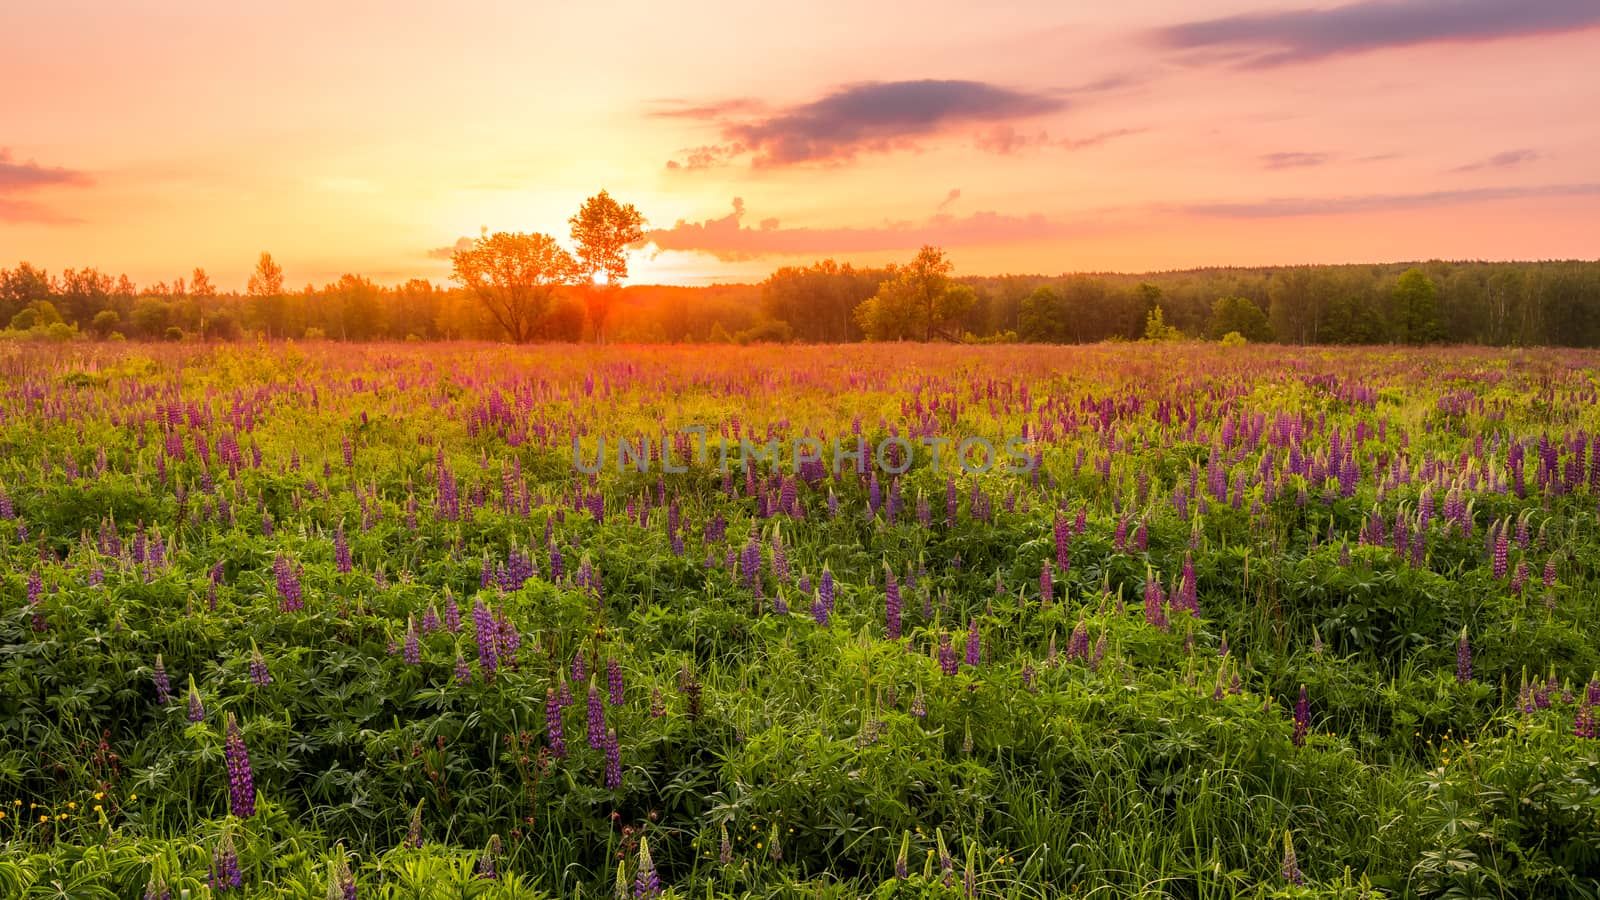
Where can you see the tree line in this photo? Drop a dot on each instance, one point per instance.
(528, 287)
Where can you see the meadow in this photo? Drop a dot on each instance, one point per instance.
(346, 620)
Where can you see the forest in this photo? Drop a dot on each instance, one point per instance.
(1489, 303)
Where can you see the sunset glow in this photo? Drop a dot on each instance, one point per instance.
(149, 139)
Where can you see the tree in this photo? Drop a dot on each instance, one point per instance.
(1237, 314)
(267, 279)
(105, 321)
(1041, 316)
(266, 288)
(1413, 298)
(602, 230)
(1157, 329)
(919, 301)
(515, 276)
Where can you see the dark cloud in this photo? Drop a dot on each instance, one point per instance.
(1294, 160)
(727, 238)
(1336, 206)
(22, 177)
(679, 109)
(869, 117)
(445, 253)
(1290, 36)
(1006, 140)
(1501, 161)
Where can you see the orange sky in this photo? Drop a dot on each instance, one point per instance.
(149, 138)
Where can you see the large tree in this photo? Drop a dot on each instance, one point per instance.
(602, 230)
(1414, 296)
(920, 301)
(515, 276)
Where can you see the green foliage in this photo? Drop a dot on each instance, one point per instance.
(394, 481)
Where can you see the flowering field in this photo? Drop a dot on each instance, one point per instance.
(294, 621)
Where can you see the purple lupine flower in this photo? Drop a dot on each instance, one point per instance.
(259, 676)
(288, 577)
(1502, 550)
(341, 551)
(658, 703)
(163, 684)
(414, 829)
(486, 861)
(1078, 644)
(463, 670)
(949, 663)
(430, 619)
(580, 669)
(825, 591)
(1291, 866)
(597, 718)
(552, 723)
(484, 628)
(413, 647)
(614, 681)
(1302, 718)
(224, 874)
(1154, 603)
(974, 644)
(197, 710)
(646, 883)
(902, 860)
(241, 783)
(1585, 725)
(1463, 658)
(452, 614)
(891, 604)
(613, 760)
(919, 703)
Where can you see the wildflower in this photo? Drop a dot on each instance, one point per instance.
(919, 704)
(974, 644)
(463, 670)
(452, 614)
(259, 676)
(597, 717)
(891, 604)
(414, 830)
(485, 631)
(1291, 866)
(613, 760)
(774, 849)
(486, 861)
(646, 883)
(413, 648)
(658, 703)
(241, 783)
(1078, 644)
(725, 849)
(1046, 584)
(430, 619)
(948, 662)
(163, 684)
(1463, 658)
(552, 723)
(197, 710)
(225, 874)
(614, 681)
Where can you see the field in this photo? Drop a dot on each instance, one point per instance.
(294, 621)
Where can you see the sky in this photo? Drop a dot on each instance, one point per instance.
(149, 138)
